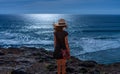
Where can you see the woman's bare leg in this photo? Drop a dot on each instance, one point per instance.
(63, 66)
(59, 62)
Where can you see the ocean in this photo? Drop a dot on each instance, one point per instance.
(91, 37)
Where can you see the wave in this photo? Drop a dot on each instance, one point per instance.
(45, 42)
(100, 30)
(104, 38)
(92, 45)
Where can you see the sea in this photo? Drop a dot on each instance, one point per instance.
(91, 36)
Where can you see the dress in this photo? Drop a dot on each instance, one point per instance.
(60, 44)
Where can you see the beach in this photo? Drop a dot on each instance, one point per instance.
(31, 60)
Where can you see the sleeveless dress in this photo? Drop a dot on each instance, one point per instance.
(60, 44)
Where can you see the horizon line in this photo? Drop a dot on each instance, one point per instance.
(57, 13)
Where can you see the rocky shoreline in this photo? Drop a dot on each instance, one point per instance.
(30, 60)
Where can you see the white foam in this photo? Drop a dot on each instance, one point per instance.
(14, 42)
(92, 45)
(43, 32)
(6, 35)
(39, 26)
(3, 41)
(45, 42)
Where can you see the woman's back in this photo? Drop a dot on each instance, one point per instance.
(60, 39)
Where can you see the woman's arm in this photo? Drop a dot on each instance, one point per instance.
(66, 43)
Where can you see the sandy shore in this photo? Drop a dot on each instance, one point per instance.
(26, 60)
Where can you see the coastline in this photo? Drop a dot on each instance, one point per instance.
(30, 60)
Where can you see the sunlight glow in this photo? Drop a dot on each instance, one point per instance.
(41, 20)
(44, 16)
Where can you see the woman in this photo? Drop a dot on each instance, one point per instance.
(61, 44)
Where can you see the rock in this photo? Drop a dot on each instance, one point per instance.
(2, 62)
(42, 50)
(40, 61)
(37, 54)
(26, 48)
(2, 53)
(116, 64)
(70, 70)
(18, 72)
(51, 67)
(45, 58)
(12, 50)
(88, 64)
(83, 70)
(95, 72)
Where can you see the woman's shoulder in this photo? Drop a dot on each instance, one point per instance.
(66, 33)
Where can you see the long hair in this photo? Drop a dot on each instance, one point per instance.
(59, 28)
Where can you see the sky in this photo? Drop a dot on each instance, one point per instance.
(59, 6)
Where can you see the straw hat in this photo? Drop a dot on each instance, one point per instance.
(61, 22)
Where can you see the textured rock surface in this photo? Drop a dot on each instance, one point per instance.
(26, 60)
